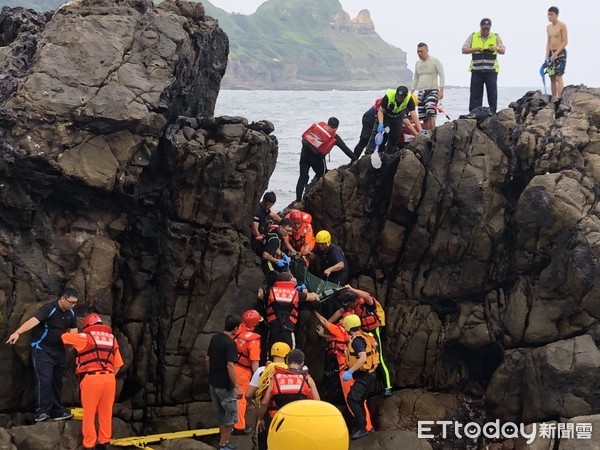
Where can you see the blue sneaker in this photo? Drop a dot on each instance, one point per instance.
(227, 446)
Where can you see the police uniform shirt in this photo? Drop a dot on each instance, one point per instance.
(262, 218)
(53, 323)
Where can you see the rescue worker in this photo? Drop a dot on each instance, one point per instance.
(248, 348)
(337, 341)
(274, 260)
(393, 108)
(317, 142)
(287, 385)
(330, 265)
(362, 359)
(308, 424)
(260, 382)
(367, 131)
(263, 218)
(97, 363)
(48, 357)
(302, 240)
(283, 300)
(364, 305)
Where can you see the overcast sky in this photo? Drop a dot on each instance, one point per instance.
(445, 25)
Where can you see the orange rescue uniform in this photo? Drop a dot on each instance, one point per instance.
(248, 346)
(338, 342)
(302, 238)
(98, 358)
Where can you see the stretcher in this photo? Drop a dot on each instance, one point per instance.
(143, 441)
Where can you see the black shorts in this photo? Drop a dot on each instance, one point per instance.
(559, 65)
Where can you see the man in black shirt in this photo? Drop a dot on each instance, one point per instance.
(273, 259)
(263, 217)
(392, 110)
(222, 378)
(48, 353)
(311, 156)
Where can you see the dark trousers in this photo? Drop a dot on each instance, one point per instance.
(395, 124)
(49, 373)
(368, 123)
(309, 158)
(364, 383)
(279, 334)
(488, 79)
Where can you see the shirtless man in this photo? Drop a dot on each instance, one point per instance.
(556, 52)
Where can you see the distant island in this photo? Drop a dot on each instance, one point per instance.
(298, 44)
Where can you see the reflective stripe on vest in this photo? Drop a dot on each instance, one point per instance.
(481, 61)
(321, 136)
(282, 304)
(394, 109)
(371, 349)
(99, 353)
(288, 385)
(368, 319)
(242, 339)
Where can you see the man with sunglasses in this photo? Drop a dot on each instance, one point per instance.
(48, 353)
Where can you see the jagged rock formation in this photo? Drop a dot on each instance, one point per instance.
(481, 240)
(116, 180)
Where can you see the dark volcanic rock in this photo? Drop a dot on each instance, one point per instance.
(116, 180)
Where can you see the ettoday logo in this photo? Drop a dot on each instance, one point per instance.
(507, 430)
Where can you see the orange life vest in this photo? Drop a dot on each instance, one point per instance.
(303, 235)
(368, 319)
(321, 136)
(371, 350)
(288, 385)
(99, 353)
(337, 343)
(282, 305)
(242, 341)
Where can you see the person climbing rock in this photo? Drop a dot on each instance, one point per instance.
(317, 142)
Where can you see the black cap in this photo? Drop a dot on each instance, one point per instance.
(485, 23)
(348, 298)
(402, 91)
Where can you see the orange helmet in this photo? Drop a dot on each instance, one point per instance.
(91, 319)
(251, 318)
(296, 216)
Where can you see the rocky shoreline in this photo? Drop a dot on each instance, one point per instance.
(480, 239)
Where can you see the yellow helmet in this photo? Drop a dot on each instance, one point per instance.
(351, 321)
(308, 425)
(323, 237)
(280, 349)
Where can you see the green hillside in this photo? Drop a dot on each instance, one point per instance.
(307, 44)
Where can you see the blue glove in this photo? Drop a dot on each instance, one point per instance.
(347, 375)
(287, 259)
(380, 128)
(281, 263)
(300, 287)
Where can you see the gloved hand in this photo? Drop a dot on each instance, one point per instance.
(380, 128)
(286, 259)
(300, 287)
(347, 375)
(281, 263)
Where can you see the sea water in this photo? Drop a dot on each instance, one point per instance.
(292, 112)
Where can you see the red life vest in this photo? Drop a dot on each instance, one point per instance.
(368, 319)
(282, 305)
(242, 341)
(99, 353)
(321, 136)
(288, 385)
